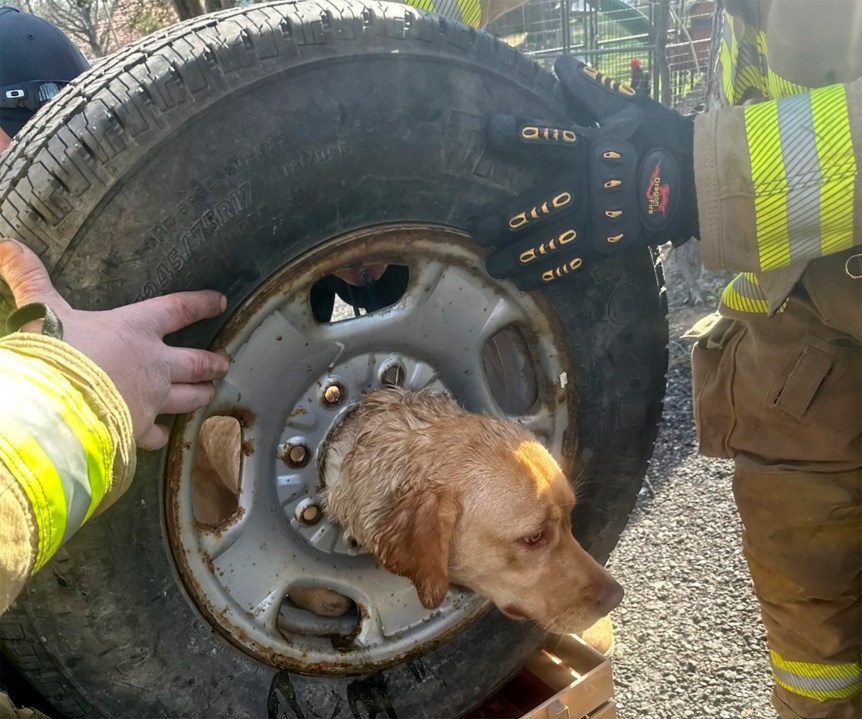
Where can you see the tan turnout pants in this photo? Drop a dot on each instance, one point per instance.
(9, 711)
(782, 396)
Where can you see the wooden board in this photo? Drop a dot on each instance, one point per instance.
(566, 680)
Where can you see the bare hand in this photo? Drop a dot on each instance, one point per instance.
(128, 343)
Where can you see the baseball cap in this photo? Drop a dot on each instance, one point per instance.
(36, 61)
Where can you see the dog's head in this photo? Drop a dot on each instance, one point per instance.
(494, 516)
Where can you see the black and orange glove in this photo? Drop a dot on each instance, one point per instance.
(626, 180)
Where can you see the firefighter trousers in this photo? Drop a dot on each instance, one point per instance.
(802, 539)
(782, 396)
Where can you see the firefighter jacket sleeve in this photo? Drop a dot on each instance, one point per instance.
(66, 451)
(777, 181)
(476, 13)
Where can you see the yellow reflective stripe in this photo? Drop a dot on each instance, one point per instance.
(471, 12)
(836, 214)
(747, 77)
(760, 43)
(750, 72)
(744, 294)
(421, 4)
(837, 167)
(99, 451)
(803, 173)
(770, 184)
(812, 669)
(747, 68)
(779, 87)
(727, 56)
(55, 445)
(24, 458)
(90, 433)
(466, 11)
(817, 680)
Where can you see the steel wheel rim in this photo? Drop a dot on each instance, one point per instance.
(440, 333)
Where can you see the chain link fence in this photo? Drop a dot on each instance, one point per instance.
(657, 46)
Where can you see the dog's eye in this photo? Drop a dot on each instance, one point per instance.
(534, 538)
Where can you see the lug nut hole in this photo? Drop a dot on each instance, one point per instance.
(334, 394)
(308, 512)
(393, 375)
(294, 454)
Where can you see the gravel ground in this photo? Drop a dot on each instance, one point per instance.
(689, 641)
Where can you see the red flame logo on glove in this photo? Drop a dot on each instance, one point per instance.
(657, 194)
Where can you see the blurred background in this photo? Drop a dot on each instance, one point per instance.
(661, 46)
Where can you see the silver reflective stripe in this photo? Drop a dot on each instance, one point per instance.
(747, 285)
(747, 55)
(837, 686)
(37, 414)
(448, 8)
(74, 476)
(799, 151)
(48, 90)
(744, 294)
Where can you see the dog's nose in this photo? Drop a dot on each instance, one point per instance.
(608, 595)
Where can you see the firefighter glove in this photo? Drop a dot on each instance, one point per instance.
(624, 177)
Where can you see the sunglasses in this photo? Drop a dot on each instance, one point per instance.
(30, 95)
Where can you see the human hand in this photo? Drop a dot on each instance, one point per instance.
(627, 180)
(128, 343)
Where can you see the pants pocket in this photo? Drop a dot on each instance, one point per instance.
(712, 364)
(794, 394)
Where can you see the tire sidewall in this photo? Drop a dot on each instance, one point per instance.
(384, 139)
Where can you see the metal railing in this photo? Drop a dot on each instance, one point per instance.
(622, 38)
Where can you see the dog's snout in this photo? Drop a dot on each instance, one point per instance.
(608, 595)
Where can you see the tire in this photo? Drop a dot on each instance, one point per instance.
(212, 154)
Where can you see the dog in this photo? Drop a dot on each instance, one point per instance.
(442, 496)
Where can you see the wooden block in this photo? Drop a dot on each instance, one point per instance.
(566, 680)
(608, 711)
(558, 710)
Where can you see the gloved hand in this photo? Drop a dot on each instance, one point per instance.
(627, 180)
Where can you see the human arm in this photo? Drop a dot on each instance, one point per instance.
(777, 181)
(72, 410)
(66, 450)
(477, 13)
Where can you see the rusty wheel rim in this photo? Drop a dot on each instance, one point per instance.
(453, 329)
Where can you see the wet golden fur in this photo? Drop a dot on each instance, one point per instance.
(442, 496)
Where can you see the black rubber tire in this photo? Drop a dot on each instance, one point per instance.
(209, 156)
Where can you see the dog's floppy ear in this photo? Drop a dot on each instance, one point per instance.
(415, 541)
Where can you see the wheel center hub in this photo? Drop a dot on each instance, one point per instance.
(299, 476)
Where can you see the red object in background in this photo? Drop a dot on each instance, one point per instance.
(639, 79)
